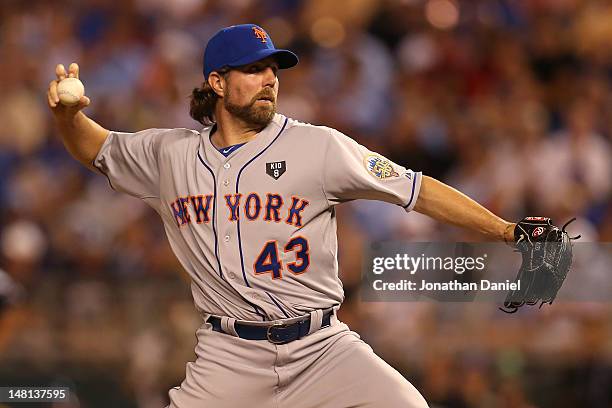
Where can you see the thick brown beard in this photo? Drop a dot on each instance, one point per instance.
(249, 113)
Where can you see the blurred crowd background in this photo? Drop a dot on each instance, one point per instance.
(508, 101)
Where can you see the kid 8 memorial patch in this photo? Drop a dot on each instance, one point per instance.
(380, 167)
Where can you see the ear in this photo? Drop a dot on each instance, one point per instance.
(217, 83)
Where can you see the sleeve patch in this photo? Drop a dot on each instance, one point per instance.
(380, 167)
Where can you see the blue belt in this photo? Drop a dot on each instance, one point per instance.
(278, 333)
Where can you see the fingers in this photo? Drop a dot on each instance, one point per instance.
(73, 70)
(84, 102)
(50, 100)
(60, 72)
(52, 94)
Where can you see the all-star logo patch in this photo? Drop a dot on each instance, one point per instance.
(380, 167)
(276, 169)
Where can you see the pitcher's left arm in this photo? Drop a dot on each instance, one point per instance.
(448, 205)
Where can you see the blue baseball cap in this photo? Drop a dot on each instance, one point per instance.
(240, 45)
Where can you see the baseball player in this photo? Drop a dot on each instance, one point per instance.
(248, 206)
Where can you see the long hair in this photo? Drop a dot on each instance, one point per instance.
(203, 101)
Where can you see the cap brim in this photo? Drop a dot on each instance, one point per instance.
(285, 58)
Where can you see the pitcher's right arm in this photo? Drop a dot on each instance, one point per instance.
(82, 136)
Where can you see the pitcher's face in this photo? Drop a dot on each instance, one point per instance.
(251, 91)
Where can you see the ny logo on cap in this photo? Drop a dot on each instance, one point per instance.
(261, 34)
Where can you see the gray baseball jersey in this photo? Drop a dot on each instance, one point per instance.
(256, 230)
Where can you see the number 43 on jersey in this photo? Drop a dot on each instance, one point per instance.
(268, 260)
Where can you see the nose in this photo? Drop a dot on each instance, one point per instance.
(269, 77)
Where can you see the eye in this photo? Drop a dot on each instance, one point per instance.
(254, 69)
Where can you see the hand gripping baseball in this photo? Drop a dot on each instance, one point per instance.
(53, 96)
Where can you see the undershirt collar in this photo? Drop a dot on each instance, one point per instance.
(226, 151)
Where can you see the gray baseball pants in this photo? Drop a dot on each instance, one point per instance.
(330, 368)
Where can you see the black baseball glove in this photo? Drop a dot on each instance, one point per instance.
(547, 257)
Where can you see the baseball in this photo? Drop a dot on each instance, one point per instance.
(70, 91)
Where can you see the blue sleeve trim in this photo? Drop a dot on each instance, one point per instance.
(417, 179)
(93, 162)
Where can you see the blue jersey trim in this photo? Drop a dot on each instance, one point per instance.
(279, 306)
(214, 213)
(226, 151)
(246, 281)
(255, 307)
(412, 194)
(93, 163)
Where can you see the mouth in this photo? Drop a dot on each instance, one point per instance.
(265, 96)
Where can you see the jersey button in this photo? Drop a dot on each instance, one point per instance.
(226, 166)
(226, 238)
(232, 275)
(226, 183)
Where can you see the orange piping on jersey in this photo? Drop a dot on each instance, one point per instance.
(305, 250)
(276, 207)
(233, 205)
(200, 209)
(294, 211)
(247, 206)
(280, 270)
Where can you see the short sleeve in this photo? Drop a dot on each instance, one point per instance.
(351, 172)
(130, 161)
